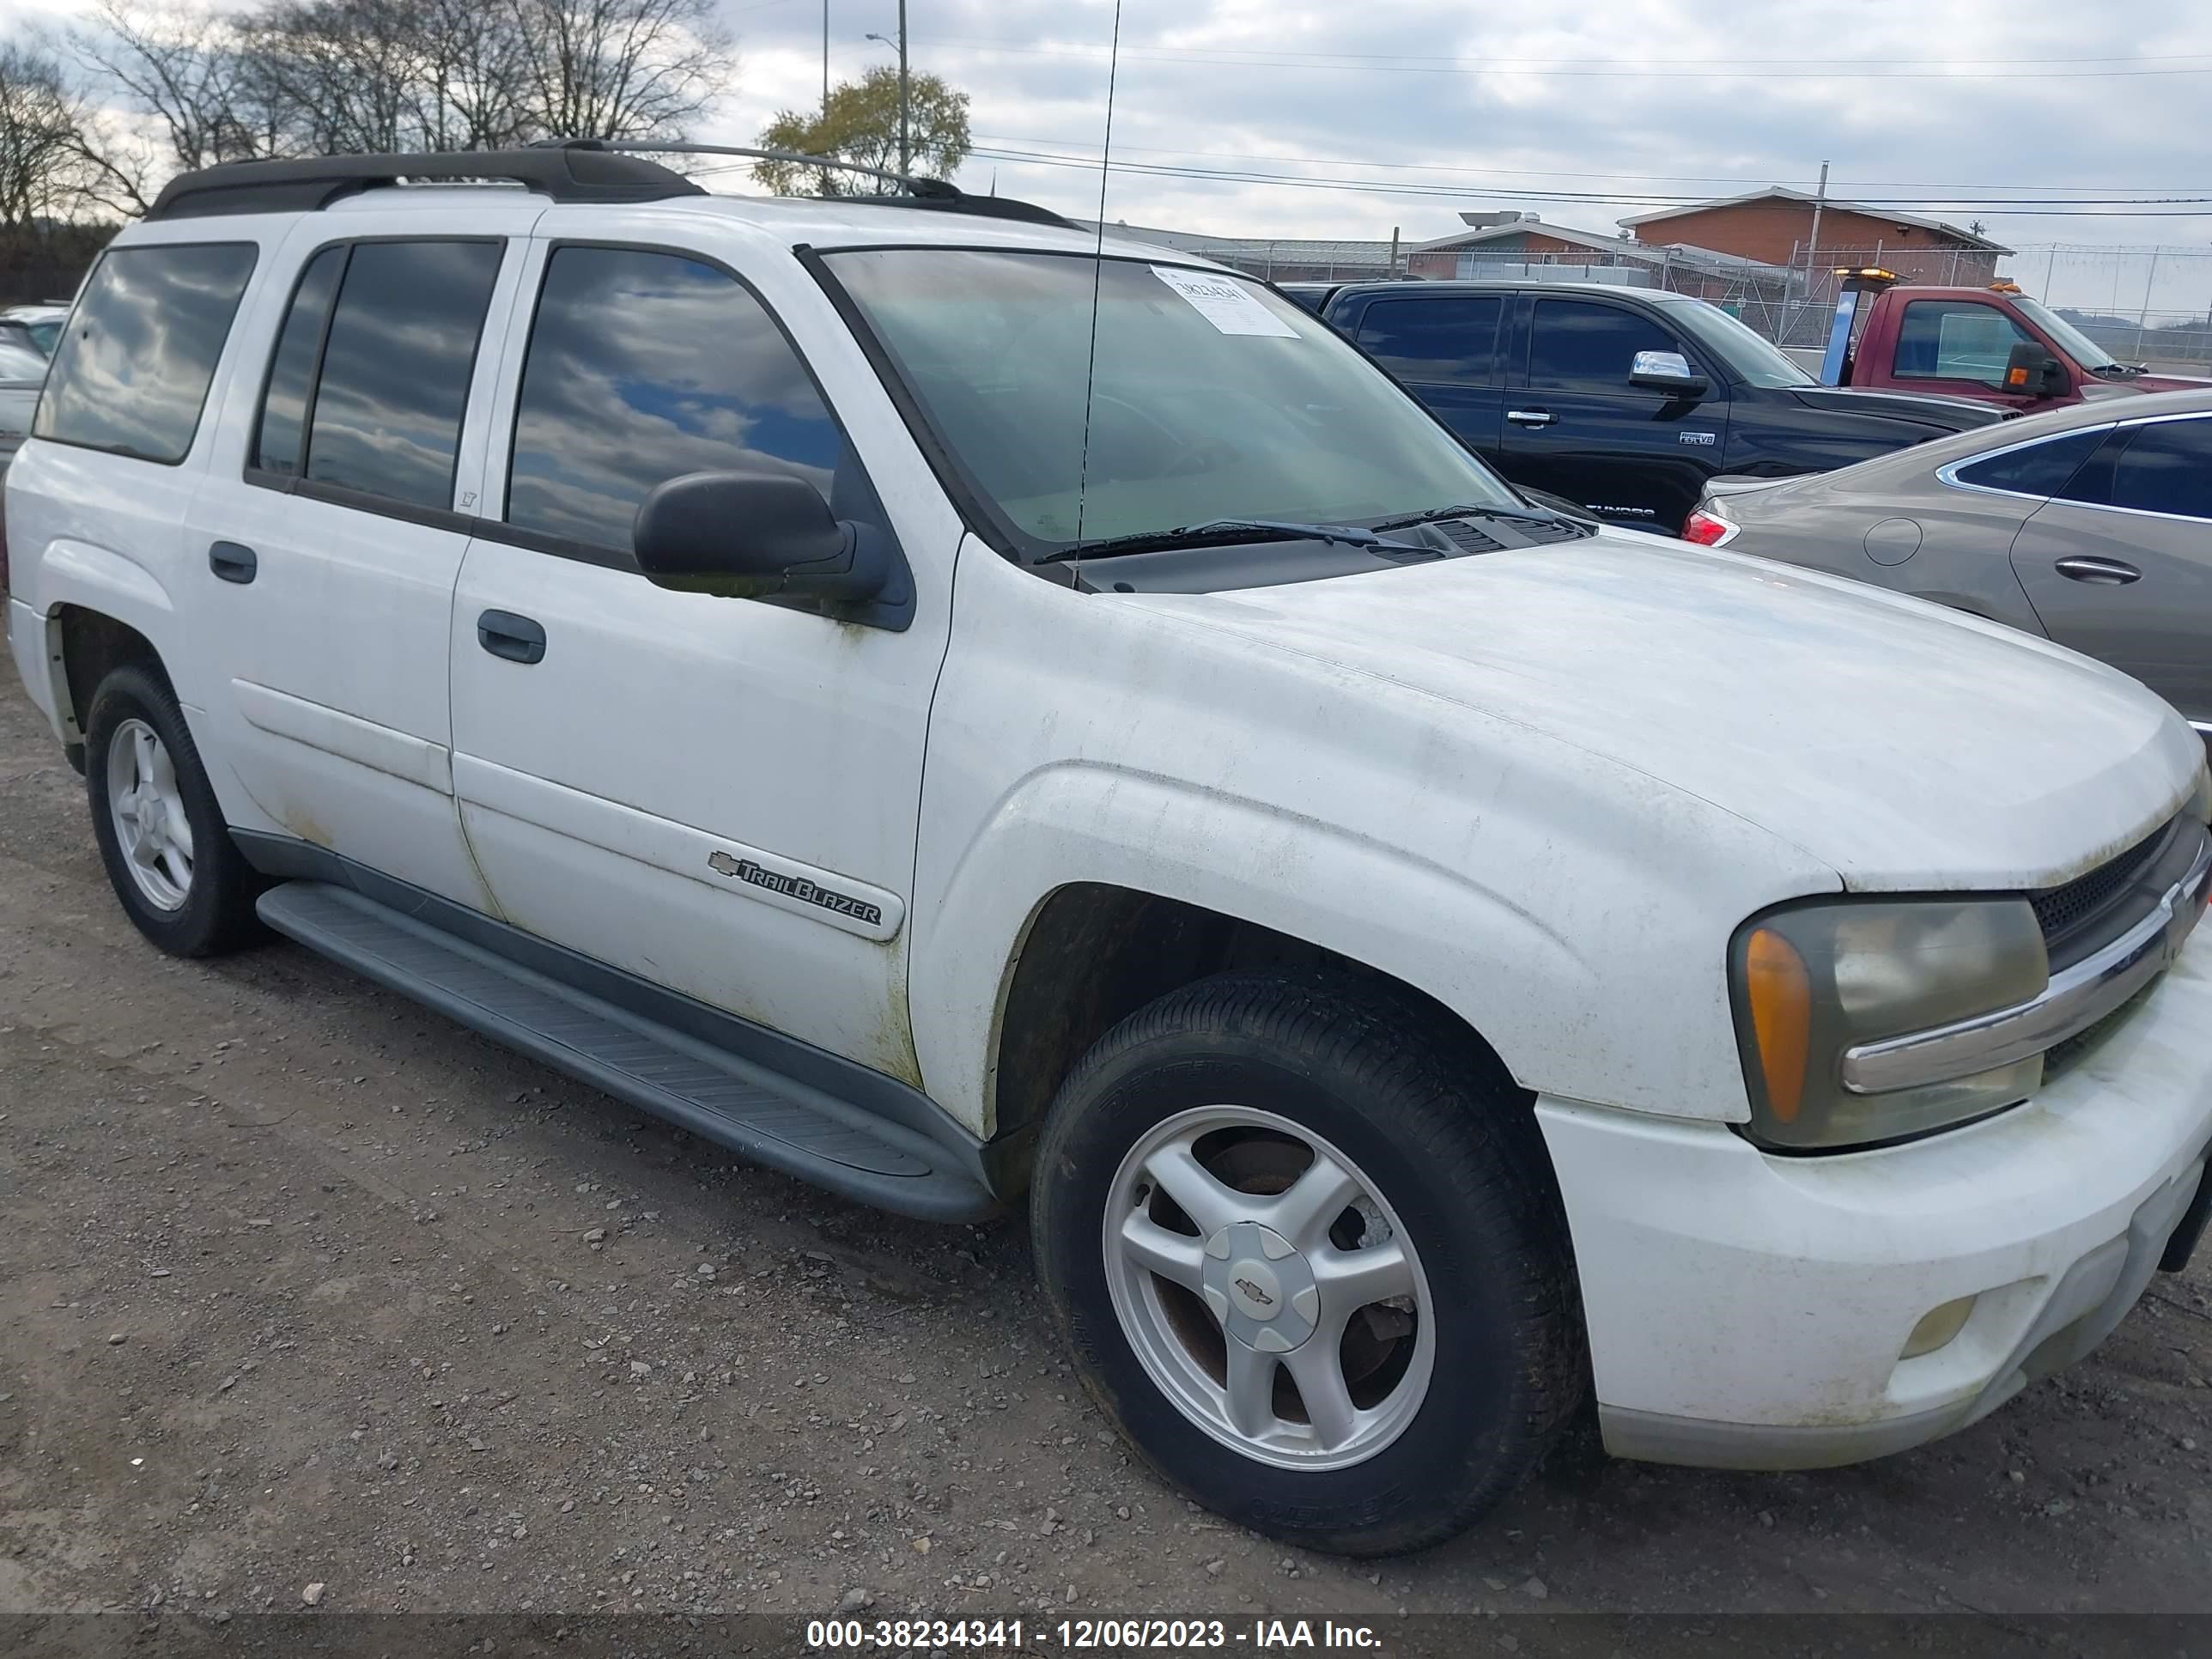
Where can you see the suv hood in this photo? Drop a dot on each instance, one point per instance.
(1936, 413)
(1901, 745)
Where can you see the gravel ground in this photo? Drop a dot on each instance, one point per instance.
(311, 1296)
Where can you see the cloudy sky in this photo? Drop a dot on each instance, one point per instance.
(1582, 112)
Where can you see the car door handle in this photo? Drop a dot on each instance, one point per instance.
(518, 639)
(233, 562)
(2102, 573)
(1530, 417)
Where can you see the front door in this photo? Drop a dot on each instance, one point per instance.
(1444, 347)
(328, 535)
(1959, 348)
(717, 795)
(1575, 426)
(2119, 565)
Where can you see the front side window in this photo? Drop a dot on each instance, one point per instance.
(1448, 342)
(1578, 346)
(2036, 469)
(1956, 340)
(643, 367)
(1209, 397)
(1752, 358)
(401, 343)
(132, 373)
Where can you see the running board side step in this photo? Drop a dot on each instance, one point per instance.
(788, 1126)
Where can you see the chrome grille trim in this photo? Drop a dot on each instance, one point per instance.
(2077, 996)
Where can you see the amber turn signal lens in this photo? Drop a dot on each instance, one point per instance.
(1780, 993)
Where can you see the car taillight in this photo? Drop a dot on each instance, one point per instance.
(1708, 529)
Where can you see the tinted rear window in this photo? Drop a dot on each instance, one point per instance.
(2165, 466)
(2038, 470)
(1452, 341)
(132, 373)
(396, 367)
(280, 442)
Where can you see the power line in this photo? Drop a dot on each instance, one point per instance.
(1638, 63)
(1643, 200)
(2059, 208)
(1228, 58)
(1085, 150)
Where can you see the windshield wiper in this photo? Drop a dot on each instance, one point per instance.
(1214, 531)
(1512, 514)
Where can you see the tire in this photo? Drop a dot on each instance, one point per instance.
(192, 892)
(1449, 1166)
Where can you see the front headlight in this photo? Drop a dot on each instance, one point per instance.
(1811, 981)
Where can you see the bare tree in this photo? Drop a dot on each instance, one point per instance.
(622, 69)
(338, 68)
(40, 128)
(470, 76)
(179, 65)
(173, 85)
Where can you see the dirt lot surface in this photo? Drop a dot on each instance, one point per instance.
(303, 1287)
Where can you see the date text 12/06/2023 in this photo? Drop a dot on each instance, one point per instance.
(1084, 1635)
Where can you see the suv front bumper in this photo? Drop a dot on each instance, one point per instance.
(1749, 1311)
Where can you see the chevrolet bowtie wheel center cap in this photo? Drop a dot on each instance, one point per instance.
(1260, 1288)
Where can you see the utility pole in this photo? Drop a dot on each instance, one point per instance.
(906, 143)
(825, 60)
(1813, 252)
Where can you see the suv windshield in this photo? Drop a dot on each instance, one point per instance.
(1752, 358)
(1213, 398)
(2070, 340)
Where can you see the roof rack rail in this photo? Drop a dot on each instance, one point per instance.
(573, 172)
(921, 191)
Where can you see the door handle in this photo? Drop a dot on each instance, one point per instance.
(2100, 573)
(518, 639)
(233, 562)
(1530, 417)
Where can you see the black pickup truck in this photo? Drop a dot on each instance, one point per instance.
(1625, 400)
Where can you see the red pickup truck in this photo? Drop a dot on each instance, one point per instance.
(1995, 343)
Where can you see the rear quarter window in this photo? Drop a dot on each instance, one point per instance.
(132, 373)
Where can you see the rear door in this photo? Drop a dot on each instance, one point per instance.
(2119, 564)
(324, 546)
(1574, 425)
(1445, 348)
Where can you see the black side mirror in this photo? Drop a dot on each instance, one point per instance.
(756, 536)
(1669, 372)
(2032, 370)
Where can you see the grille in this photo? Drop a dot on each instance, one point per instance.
(2061, 1057)
(2069, 911)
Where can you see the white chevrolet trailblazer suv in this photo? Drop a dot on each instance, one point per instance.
(952, 708)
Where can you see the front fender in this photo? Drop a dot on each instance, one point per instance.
(1570, 999)
(1373, 903)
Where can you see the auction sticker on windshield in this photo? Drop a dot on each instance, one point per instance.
(1225, 302)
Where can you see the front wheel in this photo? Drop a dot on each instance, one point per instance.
(1307, 1251)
